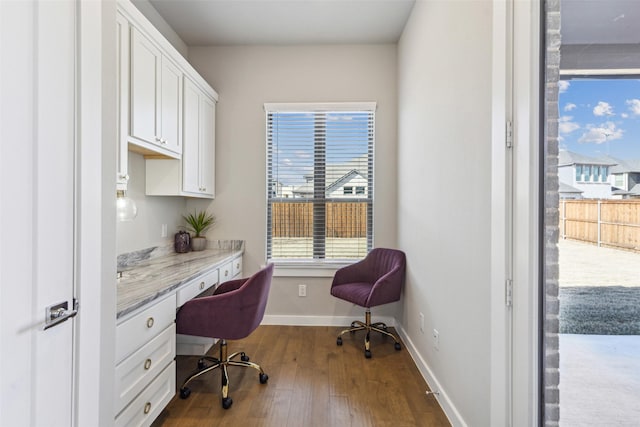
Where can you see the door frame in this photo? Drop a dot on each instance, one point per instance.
(526, 336)
(96, 191)
(515, 334)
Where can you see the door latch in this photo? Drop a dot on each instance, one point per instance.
(58, 313)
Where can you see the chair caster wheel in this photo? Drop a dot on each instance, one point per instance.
(339, 341)
(185, 392)
(244, 357)
(367, 354)
(397, 346)
(264, 378)
(226, 402)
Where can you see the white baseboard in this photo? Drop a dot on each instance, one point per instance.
(321, 320)
(442, 397)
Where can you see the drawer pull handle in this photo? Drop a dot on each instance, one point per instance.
(238, 265)
(201, 285)
(150, 322)
(226, 273)
(147, 364)
(147, 407)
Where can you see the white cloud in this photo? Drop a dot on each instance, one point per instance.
(600, 134)
(603, 109)
(624, 115)
(570, 106)
(563, 85)
(634, 106)
(565, 125)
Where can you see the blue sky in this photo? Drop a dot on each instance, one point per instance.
(599, 117)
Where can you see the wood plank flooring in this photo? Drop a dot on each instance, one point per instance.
(312, 382)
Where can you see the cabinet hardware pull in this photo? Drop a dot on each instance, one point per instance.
(226, 273)
(147, 364)
(201, 285)
(149, 322)
(147, 407)
(238, 265)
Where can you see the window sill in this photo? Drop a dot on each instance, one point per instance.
(307, 268)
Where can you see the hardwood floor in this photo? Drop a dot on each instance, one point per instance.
(312, 382)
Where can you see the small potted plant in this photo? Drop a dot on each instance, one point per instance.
(199, 223)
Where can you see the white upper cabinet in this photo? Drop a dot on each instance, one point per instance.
(171, 106)
(122, 83)
(155, 88)
(199, 141)
(166, 111)
(194, 175)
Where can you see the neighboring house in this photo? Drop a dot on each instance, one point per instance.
(344, 180)
(625, 178)
(587, 174)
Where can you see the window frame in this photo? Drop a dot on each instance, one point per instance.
(319, 266)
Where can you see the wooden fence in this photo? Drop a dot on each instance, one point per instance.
(614, 223)
(295, 219)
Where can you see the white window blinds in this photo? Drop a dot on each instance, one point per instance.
(319, 181)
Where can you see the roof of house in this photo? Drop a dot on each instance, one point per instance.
(566, 188)
(337, 174)
(624, 165)
(569, 158)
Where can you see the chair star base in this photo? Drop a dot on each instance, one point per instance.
(223, 362)
(368, 326)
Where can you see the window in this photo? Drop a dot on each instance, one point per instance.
(578, 172)
(315, 152)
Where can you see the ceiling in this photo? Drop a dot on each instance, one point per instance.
(286, 22)
(279, 22)
(600, 22)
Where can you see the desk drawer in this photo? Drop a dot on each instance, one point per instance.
(135, 372)
(237, 267)
(196, 287)
(136, 331)
(226, 272)
(148, 405)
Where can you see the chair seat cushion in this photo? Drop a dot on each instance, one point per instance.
(357, 293)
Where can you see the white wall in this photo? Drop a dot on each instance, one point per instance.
(444, 124)
(247, 77)
(153, 211)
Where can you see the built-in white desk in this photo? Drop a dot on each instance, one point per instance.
(152, 284)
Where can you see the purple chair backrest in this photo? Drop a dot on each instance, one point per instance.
(381, 261)
(233, 314)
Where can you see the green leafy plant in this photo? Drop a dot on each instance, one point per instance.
(199, 222)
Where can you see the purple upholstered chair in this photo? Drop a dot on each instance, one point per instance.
(374, 281)
(233, 311)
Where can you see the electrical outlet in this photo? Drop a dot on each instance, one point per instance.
(422, 323)
(436, 339)
(302, 290)
(163, 230)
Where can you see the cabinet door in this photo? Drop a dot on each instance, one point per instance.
(207, 144)
(191, 137)
(145, 90)
(171, 106)
(122, 82)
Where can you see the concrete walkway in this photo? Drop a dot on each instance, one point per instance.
(599, 374)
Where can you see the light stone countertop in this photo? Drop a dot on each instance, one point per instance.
(152, 273)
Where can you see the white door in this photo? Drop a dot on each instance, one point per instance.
(37, 220)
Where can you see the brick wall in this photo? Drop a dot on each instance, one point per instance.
(551, 358)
